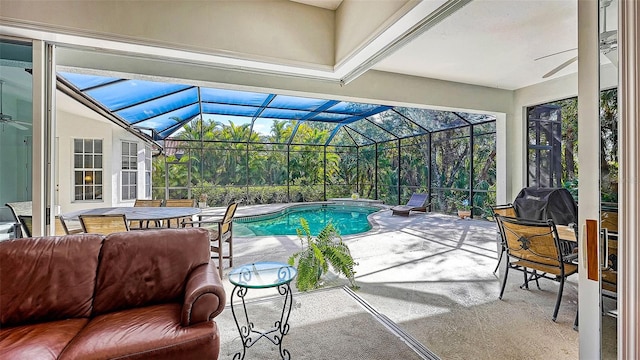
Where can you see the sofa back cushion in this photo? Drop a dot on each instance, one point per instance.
(144, 267)
(47, 278)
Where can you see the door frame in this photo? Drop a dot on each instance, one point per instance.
(629, 175)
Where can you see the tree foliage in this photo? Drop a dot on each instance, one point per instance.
(608, 144)
(232, 162)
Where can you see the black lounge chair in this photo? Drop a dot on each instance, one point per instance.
(418, 202)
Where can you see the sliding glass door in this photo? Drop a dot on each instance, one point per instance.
(16, 128)
(609, 160)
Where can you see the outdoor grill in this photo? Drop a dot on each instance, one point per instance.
(557, 204)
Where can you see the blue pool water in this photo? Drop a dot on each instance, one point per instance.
(347, 219)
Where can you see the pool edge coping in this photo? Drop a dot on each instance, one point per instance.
(286, 206)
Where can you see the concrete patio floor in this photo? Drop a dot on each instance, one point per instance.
(432, 275)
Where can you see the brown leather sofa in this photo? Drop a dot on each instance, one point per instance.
(149, 294)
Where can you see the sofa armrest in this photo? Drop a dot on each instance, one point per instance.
(204, 296)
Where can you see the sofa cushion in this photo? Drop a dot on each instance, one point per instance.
(38, 341)
(144, 267)
(48, 278)
(152, 332)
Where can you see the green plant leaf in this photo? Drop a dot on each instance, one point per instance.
(317, 254)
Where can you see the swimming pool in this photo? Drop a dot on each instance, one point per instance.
(347, 219)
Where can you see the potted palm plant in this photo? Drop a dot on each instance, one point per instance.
(201, 192)
(464, 209)
(318, 253)
(202, 200)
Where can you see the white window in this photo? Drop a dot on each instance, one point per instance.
(147, 172)
(129, 170)
(87, 169)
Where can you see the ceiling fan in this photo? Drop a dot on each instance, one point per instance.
(8, 119)
(608, 46)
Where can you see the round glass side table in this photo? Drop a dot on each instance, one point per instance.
(262, 275)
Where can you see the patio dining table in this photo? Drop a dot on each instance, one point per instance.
(566, 233)
(568, 242)
(137, 213)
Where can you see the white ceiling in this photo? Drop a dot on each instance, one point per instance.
(493, 43)
(326, 4)
(507, 44)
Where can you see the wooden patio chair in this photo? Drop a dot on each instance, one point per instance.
(609, 225)
(610, 273)
(417, 202)
(535, 245)
(26, 222)
(104, 224)
(136, 225)
(61, 227)
(503, 210)
(20, 208)
(179, 203)
(220, 232)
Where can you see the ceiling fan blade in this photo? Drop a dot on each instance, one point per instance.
(554, 54)
(609, 35)
(17, 126)
(22, 122)
(613, 57)
(560, 67)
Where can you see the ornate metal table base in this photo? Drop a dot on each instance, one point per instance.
(262, 275)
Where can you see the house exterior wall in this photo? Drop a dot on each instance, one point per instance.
(119, 136)
(85, 125)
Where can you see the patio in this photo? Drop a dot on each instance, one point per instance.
(428, 278)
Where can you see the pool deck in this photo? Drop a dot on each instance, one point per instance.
(432, 275)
